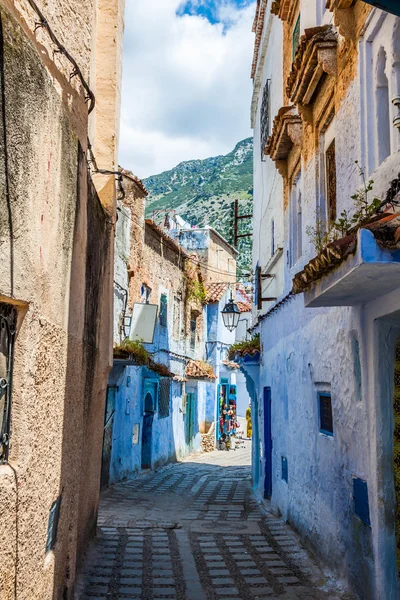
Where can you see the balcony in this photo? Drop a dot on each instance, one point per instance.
(356, 269)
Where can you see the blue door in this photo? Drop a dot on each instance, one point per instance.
(267, 443)
(147, 434)
(190, 414)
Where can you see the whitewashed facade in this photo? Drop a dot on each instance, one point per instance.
(332, 346)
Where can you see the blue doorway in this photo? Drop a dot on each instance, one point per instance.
(267, 443)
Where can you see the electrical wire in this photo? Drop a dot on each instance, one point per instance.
(6, 165)
(62, 50)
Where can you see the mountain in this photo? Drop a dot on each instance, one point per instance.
(202, 192)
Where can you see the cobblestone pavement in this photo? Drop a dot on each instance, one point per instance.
(193, 531)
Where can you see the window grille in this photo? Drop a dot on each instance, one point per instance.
(295, 37)
(264, 117)
(8, 320)
(164, 397)
(163, 310)
(325, 413)
(330, 175)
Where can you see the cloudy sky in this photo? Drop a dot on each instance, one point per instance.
(186, 81)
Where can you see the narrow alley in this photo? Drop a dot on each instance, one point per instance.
(193, 530)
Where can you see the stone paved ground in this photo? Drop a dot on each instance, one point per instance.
(193, 531)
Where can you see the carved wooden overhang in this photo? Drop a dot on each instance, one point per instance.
(315, 56)
(332, 4)
(287, 132)
(283, 9)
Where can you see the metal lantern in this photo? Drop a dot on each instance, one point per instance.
(231, 314)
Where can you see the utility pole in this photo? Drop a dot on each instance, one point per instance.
(236, 219)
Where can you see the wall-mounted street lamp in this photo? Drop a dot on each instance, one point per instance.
(231, 314)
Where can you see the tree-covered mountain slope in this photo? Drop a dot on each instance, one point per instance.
(202, 192)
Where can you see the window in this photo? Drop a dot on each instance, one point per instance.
(296, 221)
(163, 310)
(177, 318)
(295, 37)
(164, 397)
(193, 328)
(284, 469)
(8, 320)
(265, 118)
(382, 107)
(325, 413)
(145, 294)
(330, 179)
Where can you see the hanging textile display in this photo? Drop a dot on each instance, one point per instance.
(227, 418)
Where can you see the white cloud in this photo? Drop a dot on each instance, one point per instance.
(186, 84)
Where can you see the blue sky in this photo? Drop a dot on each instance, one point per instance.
(208, 9)
(186, 87)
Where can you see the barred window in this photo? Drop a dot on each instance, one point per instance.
(164, 397)
(264, 117)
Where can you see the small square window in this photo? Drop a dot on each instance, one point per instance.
(284, 469)
(325, 413)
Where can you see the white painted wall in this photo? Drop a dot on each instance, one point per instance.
(311, 350)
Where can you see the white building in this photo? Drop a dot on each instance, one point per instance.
(327, 438)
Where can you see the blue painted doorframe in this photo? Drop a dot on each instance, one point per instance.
(267, 443)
